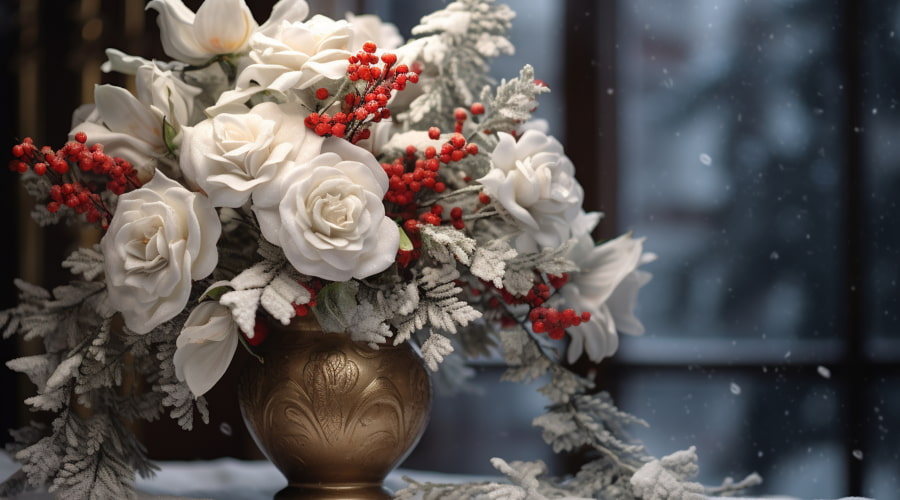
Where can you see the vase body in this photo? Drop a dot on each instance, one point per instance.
(335, 416)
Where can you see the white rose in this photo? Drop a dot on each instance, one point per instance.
(298, 54)
(234, 156)
(205, 346)
(605, 286)
(331, 222)
(535, 182)
(161, 237)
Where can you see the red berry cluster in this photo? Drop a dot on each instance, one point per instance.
(538, 294)
(68, 171)
(553, 322)
(403, 185)
(368, 106)
(313, 289)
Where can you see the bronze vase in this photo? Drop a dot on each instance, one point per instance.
(335, 416)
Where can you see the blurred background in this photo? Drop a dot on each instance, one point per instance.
(755, 144)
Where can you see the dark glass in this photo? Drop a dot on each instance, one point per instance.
(730, 123)
(883, 444)
(881, 139)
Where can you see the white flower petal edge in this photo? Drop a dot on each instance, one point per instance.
(534, 181)
(330, 222)
(161, 237)
(205, 346)
(604, 268)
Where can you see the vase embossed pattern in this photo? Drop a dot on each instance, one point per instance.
(335, 416)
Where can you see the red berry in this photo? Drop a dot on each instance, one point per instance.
(260, 332)
(40, 168)
(434, 133)
(484, 198)
(18, 151)
(458, 141)
(460, 114)
(81, 137)
(477, 108)
(370, 47)
(389, 58)
(402, 69)
(323, 129)
(322, 93)
(472, 149)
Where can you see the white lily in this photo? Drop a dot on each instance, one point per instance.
(127, 128)
(606, 286)
(205, 346)
(167, 93)
(219, 27)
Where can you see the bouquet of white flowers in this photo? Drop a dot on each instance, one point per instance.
(317, 166)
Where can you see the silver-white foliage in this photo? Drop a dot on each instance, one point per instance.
(512, 102)
(489, 261)
(272, 284)
(519, 277)
(87, 262)
(455, 44)
(434, 349)
(444, 244)
(84, 361)
(591, 420)
(522, 355)
(668, 478)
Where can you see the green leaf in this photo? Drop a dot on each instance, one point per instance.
(405, 243)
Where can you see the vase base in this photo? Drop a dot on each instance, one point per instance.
(334, 492)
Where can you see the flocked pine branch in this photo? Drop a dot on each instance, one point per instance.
(512, 103)
(455, 45)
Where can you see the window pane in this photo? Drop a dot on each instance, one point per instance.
(781, 425)
(467, 430)
(883, 424)
(730, 151)
(882, 176)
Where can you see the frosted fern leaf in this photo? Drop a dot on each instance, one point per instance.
(273, 285)
(445, 242)
(434, 349)
(87, 262)
(489, 262)
(668, 478)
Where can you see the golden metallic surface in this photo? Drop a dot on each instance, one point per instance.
(335, 416)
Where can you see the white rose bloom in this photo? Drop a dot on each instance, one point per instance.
(331, 222)
(205, 346)
(534, 181)
(293, 55)
(219, 27)
(128, 128)
(606, 286)
(234, 156)
(161, 237)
